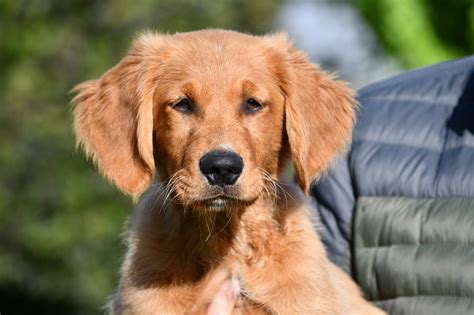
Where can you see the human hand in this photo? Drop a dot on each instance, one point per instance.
(224, 302)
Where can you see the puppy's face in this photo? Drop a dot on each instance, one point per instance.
(215, 113)
(218, 120)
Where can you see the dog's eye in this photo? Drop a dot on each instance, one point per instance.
(184, 105)
(252, 105)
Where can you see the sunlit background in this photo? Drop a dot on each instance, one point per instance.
(60, 223)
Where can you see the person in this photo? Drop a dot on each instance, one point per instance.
(397, 211)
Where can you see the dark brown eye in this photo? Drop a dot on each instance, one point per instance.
(252, 105)
(184, 105)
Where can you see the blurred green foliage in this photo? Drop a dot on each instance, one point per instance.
(60, 222)
(422, 32)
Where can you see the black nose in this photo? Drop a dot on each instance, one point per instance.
(221, 167)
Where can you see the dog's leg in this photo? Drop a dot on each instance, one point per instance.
(151, 301)
(190, 299)
(292, 284)
(290, 274)
(349, 294)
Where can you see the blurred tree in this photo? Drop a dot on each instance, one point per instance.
(59, 221)
(421, 32)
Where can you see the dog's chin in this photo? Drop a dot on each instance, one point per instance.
(217, 199)
(220, 203)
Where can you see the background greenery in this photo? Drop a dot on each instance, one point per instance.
(60, 223)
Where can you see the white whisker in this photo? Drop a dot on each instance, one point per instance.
(277, 189)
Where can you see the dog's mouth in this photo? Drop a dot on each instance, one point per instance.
(215, 198)
(218, 203)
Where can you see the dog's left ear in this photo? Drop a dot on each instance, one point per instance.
(319, 115)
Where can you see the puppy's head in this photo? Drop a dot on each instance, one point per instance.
(215, 113)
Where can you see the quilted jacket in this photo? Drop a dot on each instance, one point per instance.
(397, 212)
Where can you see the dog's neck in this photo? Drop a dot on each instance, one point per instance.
(200, 240)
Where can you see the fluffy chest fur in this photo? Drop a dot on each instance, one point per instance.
(254, 245)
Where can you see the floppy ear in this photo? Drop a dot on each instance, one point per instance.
(113, 121)
(319, 114)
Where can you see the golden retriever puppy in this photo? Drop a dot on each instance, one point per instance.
(216, 115)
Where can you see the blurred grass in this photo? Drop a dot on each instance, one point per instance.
(60, 222)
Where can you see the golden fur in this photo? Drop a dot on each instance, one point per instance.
(181, 249)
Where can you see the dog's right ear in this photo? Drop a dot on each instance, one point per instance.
(113, 121)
